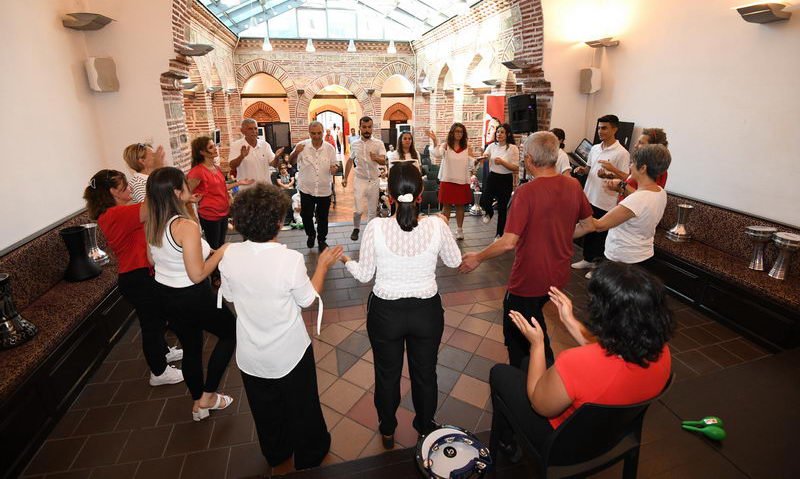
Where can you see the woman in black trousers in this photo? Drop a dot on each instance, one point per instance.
(404, 310)
(503, 158)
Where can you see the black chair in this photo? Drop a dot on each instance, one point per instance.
(431, 172)
(431, 184)
(592, 439)
(430, 202)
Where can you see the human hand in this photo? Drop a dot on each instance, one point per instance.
(159, 155)
(498, 161)
(580, 170)
(245, 182)
(532, 331)
(344, 183)
(195, 198)
(469, 261)
(299, 148)
(344, 259)
(604, 173)
(432, 135)
(279, 151)
(329, 256)
(612, 186)
(563, 305)
(244, 151)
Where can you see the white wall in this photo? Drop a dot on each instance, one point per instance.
(726, 91)
(56, 132)
(49, 129)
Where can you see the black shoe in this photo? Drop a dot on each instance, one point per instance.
(310, 240)
(354, 236)
(388, 441)
(322, 245)
(512, 451)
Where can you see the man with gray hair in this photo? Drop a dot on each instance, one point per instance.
(252, 156)
(316, 162)
(539, 228)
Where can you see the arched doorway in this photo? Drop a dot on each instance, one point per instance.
(336, 105)
(397, 101)
(265, 100)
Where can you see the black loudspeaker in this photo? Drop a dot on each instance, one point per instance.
(624, 134)
(522, 112)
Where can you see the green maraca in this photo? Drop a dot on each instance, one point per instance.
(712, 432)
(706, 421)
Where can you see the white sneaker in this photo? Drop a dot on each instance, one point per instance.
(486, 219)
(582, 264)
(588, 275)
(285, 228)
(171, 375)
(459, 234)
(174, 354)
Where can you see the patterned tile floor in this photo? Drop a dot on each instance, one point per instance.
(121, 427)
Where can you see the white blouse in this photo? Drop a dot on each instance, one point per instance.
(269, 286)
(404, 262)
(509, 153)
(455, 167)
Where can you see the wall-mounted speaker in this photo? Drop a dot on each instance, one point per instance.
(522, 112)
(590, 80)
(102, 74)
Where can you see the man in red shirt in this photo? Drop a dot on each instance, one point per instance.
(539, 228)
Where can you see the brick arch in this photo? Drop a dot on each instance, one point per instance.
(397, 109)
(314, 86)
(394, 68)
(441, 76)
(260, 65)
(332, 108)
(261, 112)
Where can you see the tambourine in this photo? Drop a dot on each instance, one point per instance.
(450, 452)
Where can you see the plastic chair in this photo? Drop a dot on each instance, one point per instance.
(592, 439)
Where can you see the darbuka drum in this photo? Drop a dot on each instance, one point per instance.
(452, 452)
(787, 243)
(760, 236)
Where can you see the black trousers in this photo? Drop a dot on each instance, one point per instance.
(215, 231)
(288, 415)
(415, 325)
(508, 384)
(191, 311)
(594, 244)
(142, 291)
(499, 187)
(315, 206)
(519, 347)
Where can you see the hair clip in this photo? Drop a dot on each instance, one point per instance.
(406, 198)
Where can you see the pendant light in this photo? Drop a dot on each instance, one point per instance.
(391, 49)
(310, 46)
(351, 47)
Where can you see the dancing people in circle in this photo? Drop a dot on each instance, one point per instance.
(404, 309)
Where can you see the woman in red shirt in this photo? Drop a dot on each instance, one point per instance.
(212, 188)
(108, 199)
(623, 357)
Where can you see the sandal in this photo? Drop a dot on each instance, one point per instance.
(223, 401)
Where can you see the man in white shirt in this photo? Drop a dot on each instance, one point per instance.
(366, 154)
(252, 156)
(316, 159)
(602, 200)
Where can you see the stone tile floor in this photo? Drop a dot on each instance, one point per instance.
(121, 427)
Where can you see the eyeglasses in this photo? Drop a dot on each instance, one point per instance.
(141, 149)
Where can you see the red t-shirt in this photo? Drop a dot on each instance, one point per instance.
(660, 181)
(214, 204)
(124, 232)
(543, 214)
(591, 376)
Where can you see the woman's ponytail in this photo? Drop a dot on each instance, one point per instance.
(405, 186)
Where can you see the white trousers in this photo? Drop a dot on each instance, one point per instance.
(366, 196)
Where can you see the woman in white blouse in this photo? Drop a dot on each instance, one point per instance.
(454, 173)
(503, 157)
(632, 223)
(274, 351)
(405, 151)
(404, 307)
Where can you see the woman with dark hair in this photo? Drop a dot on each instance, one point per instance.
(454, 173)
(274, 352)
(213, 190)
(179, 255)
(631, 225)
(622, 358)
(404, 308)
(503, 157)
(562, 164)
(108, 199)
(406, 151)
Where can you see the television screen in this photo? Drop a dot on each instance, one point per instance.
(217, 136)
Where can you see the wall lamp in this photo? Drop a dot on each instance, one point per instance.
(763, 13)
(213, 89)
(603, 42)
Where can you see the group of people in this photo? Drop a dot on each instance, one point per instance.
(622, 357)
